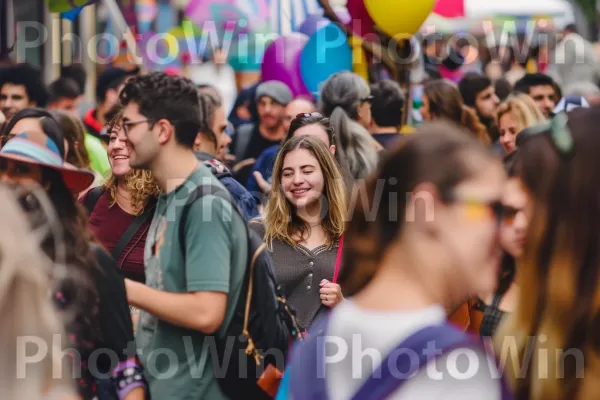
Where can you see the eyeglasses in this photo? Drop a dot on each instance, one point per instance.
(368, 99)
(557, 129)
(309, 115)
(475, 206)
(130, 124)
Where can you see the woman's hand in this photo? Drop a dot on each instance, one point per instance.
(331, 293)
(262, 183)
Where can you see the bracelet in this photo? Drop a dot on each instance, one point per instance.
(133, 309)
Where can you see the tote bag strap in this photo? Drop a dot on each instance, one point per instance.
(338, 260)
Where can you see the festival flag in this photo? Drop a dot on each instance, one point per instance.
(64, 6)
(287, 15)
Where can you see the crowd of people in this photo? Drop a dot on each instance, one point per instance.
(134, 231)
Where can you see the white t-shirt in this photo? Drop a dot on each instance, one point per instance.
(465, 374)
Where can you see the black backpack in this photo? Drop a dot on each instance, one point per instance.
(262, 319)
(91, 198)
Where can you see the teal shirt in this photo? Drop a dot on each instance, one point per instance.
(179, 362)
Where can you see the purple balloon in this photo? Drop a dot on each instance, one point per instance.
(281, 62)
(313, 23)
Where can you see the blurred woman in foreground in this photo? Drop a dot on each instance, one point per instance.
(27, 311)
(512, 238)
(557, 318)
(91, 295)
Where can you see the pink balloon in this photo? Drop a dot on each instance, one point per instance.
(281, 62)
(361, 22)
(450, 8)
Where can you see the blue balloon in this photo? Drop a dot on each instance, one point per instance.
(326, 52)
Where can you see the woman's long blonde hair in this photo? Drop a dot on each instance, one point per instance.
(523, 109)
(280, 220)
(139, 183)
(26, 309)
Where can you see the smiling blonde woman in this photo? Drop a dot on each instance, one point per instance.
(303, 223)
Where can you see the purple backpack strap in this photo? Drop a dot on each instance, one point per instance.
(307, 371)
(382, 383)
(307, 378)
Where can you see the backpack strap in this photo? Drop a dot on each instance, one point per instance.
(307, 375)
(91, 198)
(132, 229)
(338, 259)
(243, 136)
(199, 192)
(383, 382)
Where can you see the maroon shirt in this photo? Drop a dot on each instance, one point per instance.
(109, 225)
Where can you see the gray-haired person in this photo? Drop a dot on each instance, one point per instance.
(346, 101)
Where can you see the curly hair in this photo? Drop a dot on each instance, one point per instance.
(173, 98)
(140, 183)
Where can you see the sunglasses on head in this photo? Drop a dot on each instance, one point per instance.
(558, 131)
(368, 99)
(309, 115)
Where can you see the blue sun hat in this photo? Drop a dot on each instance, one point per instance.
(38, 149)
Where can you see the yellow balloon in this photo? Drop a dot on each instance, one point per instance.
(360, 64)
(403, 17)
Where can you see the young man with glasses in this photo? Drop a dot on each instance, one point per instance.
(194, 267)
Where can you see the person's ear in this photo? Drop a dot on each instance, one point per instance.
(165, 130)
(198, 142)
(422, 204)
(332, 149)
(112, 96)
